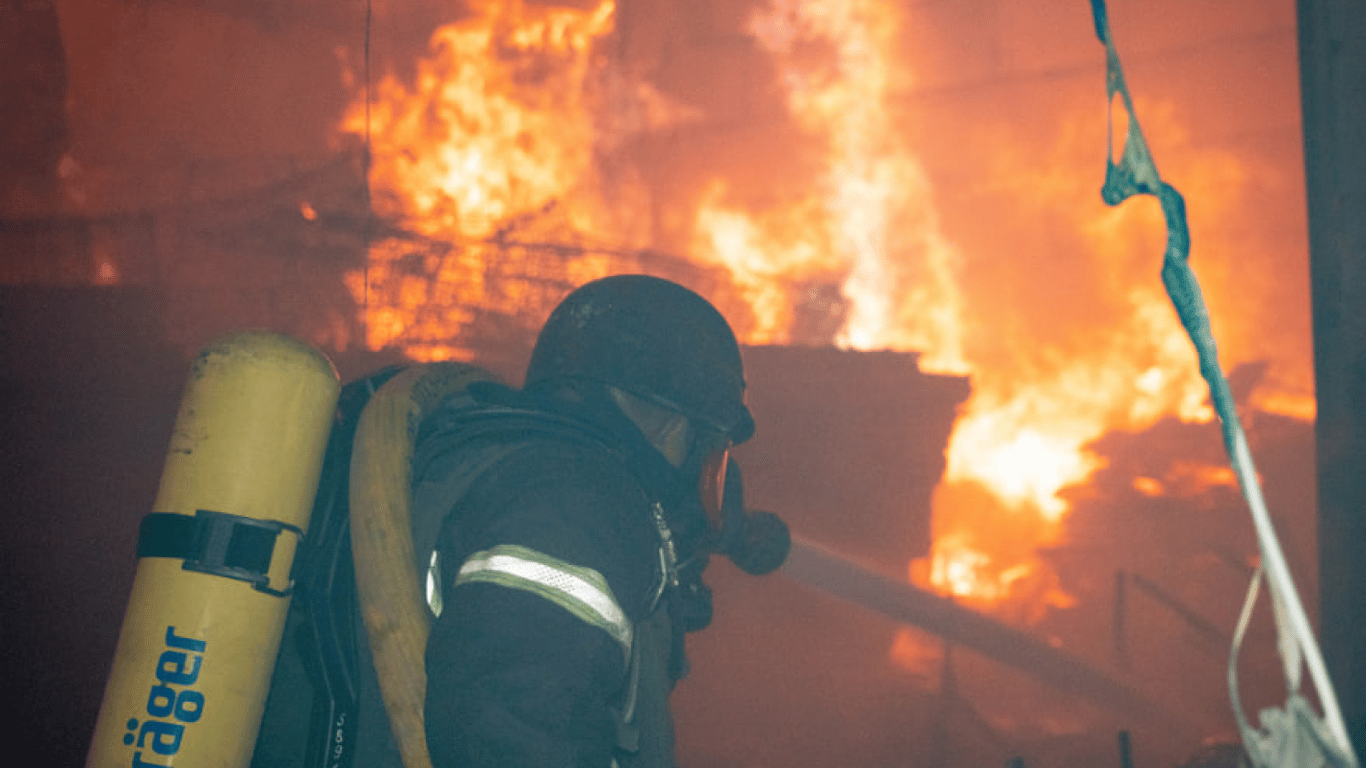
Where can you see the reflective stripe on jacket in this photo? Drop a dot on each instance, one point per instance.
(581, 591)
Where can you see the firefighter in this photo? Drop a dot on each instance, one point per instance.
(577, 514)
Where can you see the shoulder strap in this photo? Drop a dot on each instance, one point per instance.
(456, 445)
(434, 499)
(312, 708)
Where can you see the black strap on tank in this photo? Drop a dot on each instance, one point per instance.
(217, 543)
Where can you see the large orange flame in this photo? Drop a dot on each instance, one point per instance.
(875, 203)
(502, 132)
(496, 129)
(469, 147)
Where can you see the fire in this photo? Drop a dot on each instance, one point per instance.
(764, 256)
(877, 203)
(1023, 434)
(499, 145)
(916, 653)
(469, 147)
(496, 130)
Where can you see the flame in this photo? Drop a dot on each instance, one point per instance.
(1038, 398)
(1022, 435)
(881, 223)
(496, 129)
(1188, 480)
(1149, 486)
(764, 256)
(498, 145)
(469, 146)
(1025, 430)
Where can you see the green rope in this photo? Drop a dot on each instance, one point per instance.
(1136, 174)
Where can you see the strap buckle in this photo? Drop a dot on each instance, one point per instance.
(217, 543)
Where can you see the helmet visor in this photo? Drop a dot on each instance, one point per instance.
(711, 483)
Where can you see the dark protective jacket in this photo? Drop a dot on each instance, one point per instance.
(561, 532)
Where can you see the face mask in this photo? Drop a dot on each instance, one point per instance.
(756, 541)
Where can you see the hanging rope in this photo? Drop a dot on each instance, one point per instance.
(1293, 736)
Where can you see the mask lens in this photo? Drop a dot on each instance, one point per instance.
(711, 484)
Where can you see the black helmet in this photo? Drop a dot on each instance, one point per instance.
(652, 338)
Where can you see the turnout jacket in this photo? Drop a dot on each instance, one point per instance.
(560, 632)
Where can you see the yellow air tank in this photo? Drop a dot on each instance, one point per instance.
(203, 623)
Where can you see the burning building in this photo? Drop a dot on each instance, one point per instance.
(967, 375)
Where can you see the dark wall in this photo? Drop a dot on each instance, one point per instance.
(849, 447)
(1333, 71)
(33, 100)
(88, 395)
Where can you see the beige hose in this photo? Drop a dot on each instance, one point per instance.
(391, 598)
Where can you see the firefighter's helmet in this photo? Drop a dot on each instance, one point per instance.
(653, 338)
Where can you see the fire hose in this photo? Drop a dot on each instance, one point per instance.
(393, 606)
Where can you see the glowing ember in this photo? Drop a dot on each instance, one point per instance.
(1148, 486)
(916, 653)
(106, 273)
(1187, 480)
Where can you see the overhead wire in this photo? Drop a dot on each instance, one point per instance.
(365, 160)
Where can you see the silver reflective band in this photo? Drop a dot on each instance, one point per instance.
(581, 591)
(434, 584)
